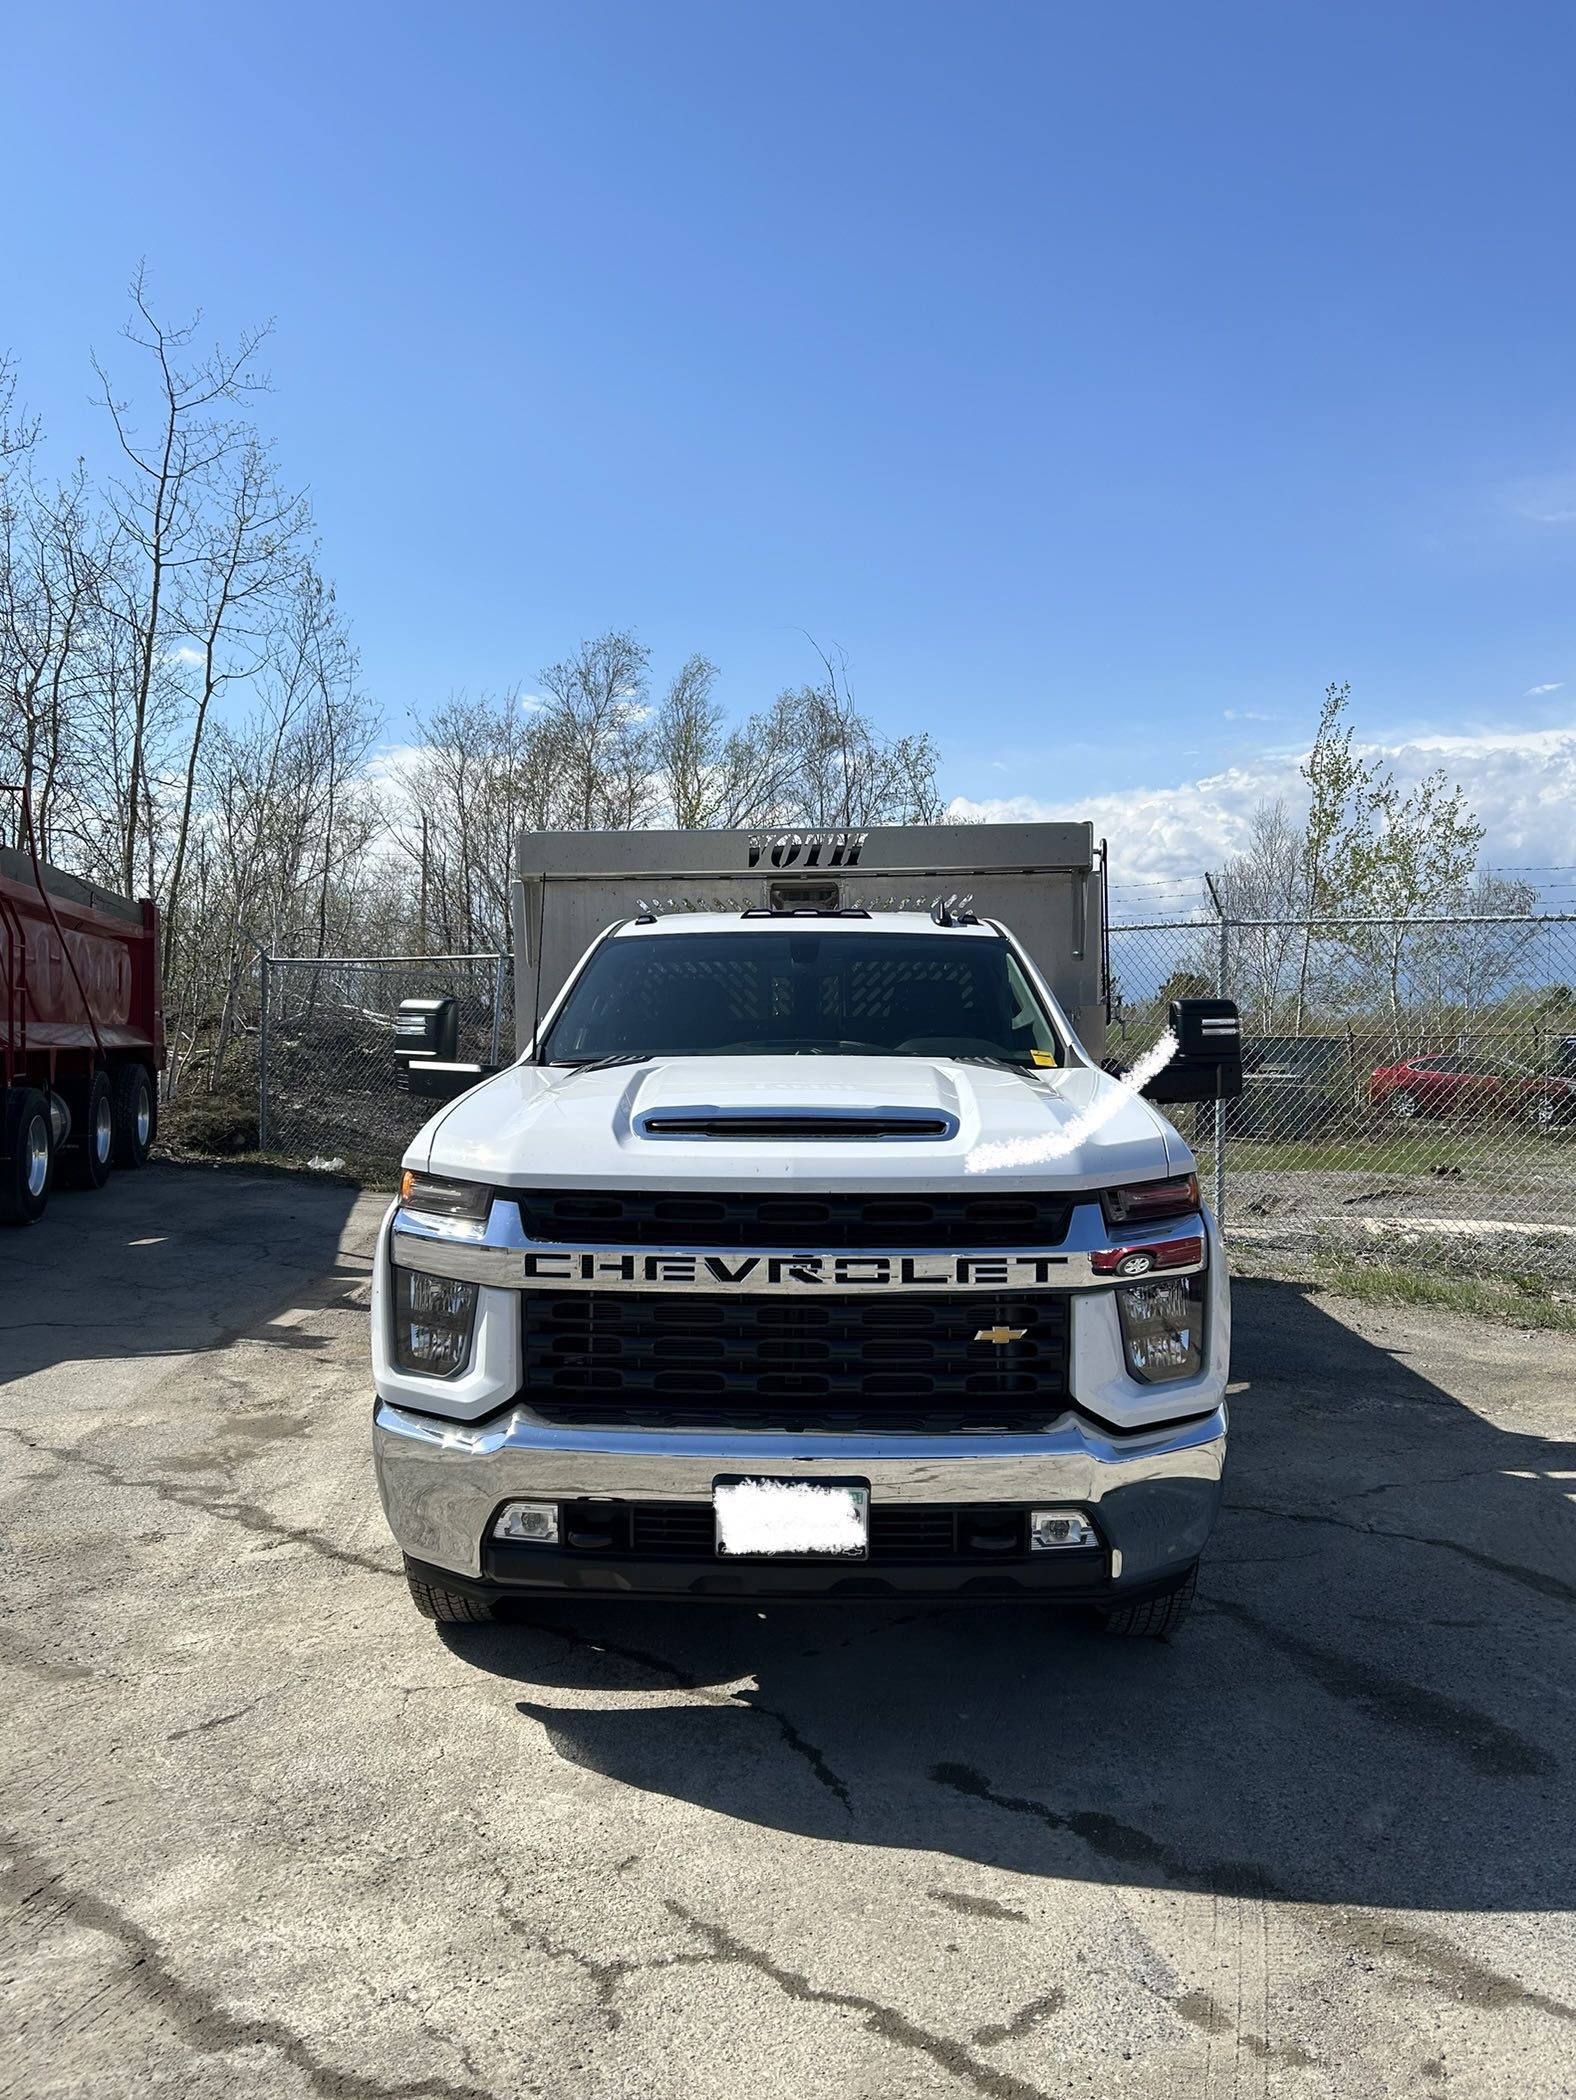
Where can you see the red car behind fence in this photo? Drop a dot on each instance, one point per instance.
(1464, 1084)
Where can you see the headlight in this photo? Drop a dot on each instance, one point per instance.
(433, 1319)
(1163, 1328)
(440, 1197)
(1142, 1200)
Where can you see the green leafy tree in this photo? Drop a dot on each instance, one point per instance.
(1340, 787)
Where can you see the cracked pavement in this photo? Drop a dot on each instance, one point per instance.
(266, 1832)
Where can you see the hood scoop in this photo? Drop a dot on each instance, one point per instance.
(804, 1124)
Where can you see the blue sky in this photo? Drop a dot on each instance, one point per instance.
(1101, 380)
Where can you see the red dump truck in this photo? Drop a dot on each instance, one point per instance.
(81, 1033)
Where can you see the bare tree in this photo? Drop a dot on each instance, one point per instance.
(53, 561)
(1265, 882)
(596, 716)
(715, 775)
(840, 770)
(1458, 971)
(19, 432)
(688, 742)
(287, 823)
(160, 508)
(249, 549)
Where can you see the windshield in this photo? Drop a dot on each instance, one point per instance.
(803, 991)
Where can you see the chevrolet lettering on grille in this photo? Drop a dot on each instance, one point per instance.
(605, 1268)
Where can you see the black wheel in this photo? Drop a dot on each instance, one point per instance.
(1404, 1105)
(1153, 1618)
(83, 1163)
(448, 1607)
(27, 1167)
(135, 1114)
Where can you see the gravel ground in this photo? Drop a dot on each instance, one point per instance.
(268, 1833)
(1296, 1196)
(1543, 1256)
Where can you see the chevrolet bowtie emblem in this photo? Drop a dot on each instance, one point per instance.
(1001, 1336)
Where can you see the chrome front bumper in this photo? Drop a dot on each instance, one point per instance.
(1153, 1494)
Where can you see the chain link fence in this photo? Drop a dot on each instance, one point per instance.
(1414, 1079)
(328, 1086)
(1410, 1080)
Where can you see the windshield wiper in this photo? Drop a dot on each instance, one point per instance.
(601, 1064)
(1001, 1063)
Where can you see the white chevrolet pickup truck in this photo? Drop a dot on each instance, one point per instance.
(806, 1250)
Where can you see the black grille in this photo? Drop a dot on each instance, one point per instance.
(683, 1359)
(657, 1218)
(909, 1532)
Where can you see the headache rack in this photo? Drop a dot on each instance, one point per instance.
(1042, 882)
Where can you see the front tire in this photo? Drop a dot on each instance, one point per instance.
(1153, 1618)
(1406, 1106)
(28, 1166)
(135, 1110)
(448, 1607)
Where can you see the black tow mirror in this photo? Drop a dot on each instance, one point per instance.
(427, 1028)
(1208, 1063)
(441, 1079)
(426, 1038)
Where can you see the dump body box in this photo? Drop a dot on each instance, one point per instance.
(1041, 881)
(47, 1032)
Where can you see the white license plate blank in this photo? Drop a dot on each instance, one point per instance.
(778, 1518)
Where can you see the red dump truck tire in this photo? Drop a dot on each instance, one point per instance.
(136, 1114)
(84, 1161)
(27, 1165)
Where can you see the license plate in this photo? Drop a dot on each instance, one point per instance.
(791, 1519)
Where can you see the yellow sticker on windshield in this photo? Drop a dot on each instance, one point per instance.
(1043, 1057)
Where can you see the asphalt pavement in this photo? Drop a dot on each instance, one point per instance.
(267, 1832)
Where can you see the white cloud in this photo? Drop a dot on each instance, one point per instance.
(1533, 691)
(1522, 784)
(395, 764)
(1545, 499)
(1243, 714)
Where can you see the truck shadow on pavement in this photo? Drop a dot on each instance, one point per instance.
(170, 1261)
(1371, 1706)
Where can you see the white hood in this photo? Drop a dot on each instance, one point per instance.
(541, 1126)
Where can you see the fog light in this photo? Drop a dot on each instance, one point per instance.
(528, 1523)
(1052, 1529)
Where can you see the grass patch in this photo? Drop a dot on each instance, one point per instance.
(1397, 1157)
(1513, 1298)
